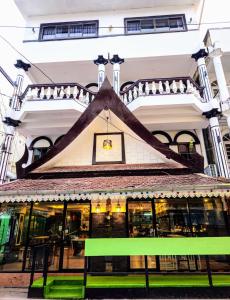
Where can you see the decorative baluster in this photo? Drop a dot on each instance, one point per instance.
(125, 100)
(55, 93)
(35, 93)
(130, 96)
(62, 92)
(154, 89)
(48, 93)
(81, 95)
(196, 92)
(75, 92)
(174, 87)
(160, 87)
(68, 91)
(181, 87)
(189, 86)
(87, 98)
(167, 87)
(42, 93)
(147, 88)
(140, 90)
(135, 94)
(29, 94)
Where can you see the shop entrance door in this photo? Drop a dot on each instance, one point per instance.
(76, 230)
(108, 221)
(141, 223)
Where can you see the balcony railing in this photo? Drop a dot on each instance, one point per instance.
(161, 86)
(142, 87)
(58, 91)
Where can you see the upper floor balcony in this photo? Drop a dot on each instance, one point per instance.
(174, 103)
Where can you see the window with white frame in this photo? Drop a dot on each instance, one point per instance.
(155, 24)
(69, 30)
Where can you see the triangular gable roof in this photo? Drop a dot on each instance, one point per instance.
(106, 98)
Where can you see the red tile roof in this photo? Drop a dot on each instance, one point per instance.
(164, 182)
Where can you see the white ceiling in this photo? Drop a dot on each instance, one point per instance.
(132, 69)
(54, 7)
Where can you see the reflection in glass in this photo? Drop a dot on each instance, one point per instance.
(140, 218)
(13, 228)
(46, 227)
(76, 231)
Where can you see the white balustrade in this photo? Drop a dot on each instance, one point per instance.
(141, 88)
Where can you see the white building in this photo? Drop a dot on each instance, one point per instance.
(158, 80)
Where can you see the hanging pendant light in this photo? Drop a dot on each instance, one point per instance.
(107, 143)
(98, 207)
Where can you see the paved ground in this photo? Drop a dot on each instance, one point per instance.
(21, 294)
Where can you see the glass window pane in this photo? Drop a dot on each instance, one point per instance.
(147, 25)
(75, 30)
(76, 231)
(172, 218)
(162, 24)
(89, 29)
(140, 218)
(48, 32)
(207, 217)
(62, 31)
(133, 26)
(176, 23)
(46, 227)
(13, 230)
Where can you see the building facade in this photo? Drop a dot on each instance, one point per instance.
(127, 159)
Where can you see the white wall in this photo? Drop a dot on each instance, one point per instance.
(108, 19)
(80, 151)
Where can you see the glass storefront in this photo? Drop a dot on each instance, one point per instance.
(66, 225)
(13, 235)
(76, 231)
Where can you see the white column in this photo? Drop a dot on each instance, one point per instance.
(101, 75)
(220, 154)
(218, 145)
(16, 103)
(116, 61)
(10, 128)
(100, 62)
(5, 152)
(116, 78)
(216, 54)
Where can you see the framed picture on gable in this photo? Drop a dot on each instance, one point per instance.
(108, 148)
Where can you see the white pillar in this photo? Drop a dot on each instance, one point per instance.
(116, 61)
(10, 125)
(216, 54)
(5, 152)
(218, 145)
(116, 78)
(100, 62)
(16, 103)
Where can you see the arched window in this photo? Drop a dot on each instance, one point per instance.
(163, 136)
(186, 142)
(226, 139)
(40, 146)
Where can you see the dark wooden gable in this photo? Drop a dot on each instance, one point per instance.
(106, 98)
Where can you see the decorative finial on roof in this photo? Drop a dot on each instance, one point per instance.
(100, 60)
(22, 65)
(116, 59)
